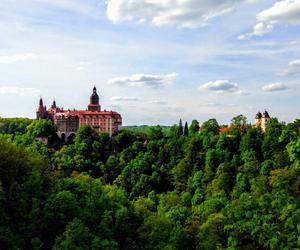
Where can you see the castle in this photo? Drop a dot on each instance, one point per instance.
(261, 120)
(68, 121)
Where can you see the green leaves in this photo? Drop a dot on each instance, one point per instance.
(293, 149)
(40, 128)
(238, 189)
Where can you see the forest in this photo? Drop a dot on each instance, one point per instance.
(184, 188)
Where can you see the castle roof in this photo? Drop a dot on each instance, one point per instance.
(266, 114)
(41, 107)
(87, 114)
(94, 99)
(258, 115)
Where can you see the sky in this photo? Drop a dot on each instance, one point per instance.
(153, 61)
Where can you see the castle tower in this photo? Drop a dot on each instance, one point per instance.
(258, 120)
(94, 101)
(264, 120)
(53, 104)
(41, 112)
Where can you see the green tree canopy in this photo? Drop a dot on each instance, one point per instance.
(210, 125)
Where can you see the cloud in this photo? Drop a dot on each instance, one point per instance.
(217, 105)
(178, 13)
(7, 59)
(259, 29)
(293, 68)
(140, 80)
(82, 66)
(222, 86)
(286, 11)
(168, 109)
(282, 12)
(5, 90)
(114, 107)
(158, 102)
(124, 98)
(274, 87)
(241, 92)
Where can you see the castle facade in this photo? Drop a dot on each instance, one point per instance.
(68, 121)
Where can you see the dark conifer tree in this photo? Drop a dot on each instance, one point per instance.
(186, 129)
(180, 128)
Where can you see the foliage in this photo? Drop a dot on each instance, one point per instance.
(210, 125)
(239, 121)
(194, 127)
(14, 125)
(185, 189)
(40, 128)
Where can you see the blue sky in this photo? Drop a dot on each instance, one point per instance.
(154, 61)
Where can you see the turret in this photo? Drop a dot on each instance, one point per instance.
(266, 114)
(41, 112)
(264, 121)
(41, 106)
(258, 119)
(94, 101)
(53, 104)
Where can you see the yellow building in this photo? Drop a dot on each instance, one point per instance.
(261, 120)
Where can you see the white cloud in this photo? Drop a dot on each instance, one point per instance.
(217, 104)
(7, 59)
(124, 98)
(241, 92)
(178, 13)
(293, 68)
(259, 29)
(5, 90)
(274, 87)
(140, 80)
(222, 86)
(158, 102)
(285, 12)
(82, 66)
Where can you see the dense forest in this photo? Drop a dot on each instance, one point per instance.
(184, 189)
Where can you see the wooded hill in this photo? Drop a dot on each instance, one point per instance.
(181, 190)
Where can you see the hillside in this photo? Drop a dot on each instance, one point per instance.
(239, 189)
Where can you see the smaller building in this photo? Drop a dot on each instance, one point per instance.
(261, 120)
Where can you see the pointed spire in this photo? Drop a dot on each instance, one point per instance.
(54, 104)
(41, 102)
(266, 114)
(41, 107)
(258, 115)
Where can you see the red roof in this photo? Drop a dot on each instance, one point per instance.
(83, 113)
(224, 130)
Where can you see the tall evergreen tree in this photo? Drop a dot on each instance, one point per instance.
(180, 128)
(186, 129)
